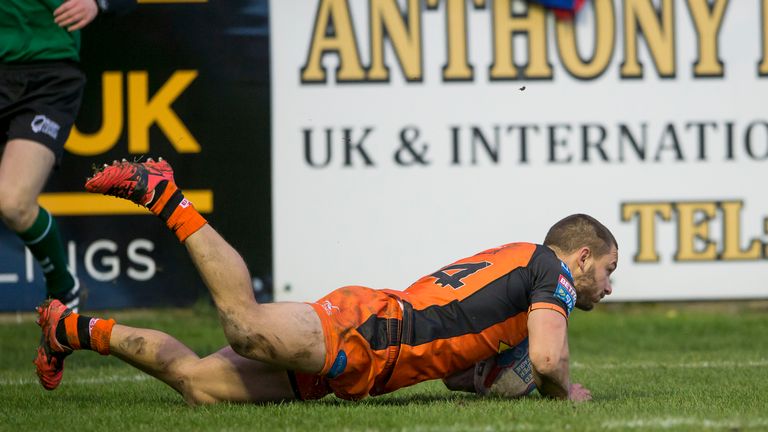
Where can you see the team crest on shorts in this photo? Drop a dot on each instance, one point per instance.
(42, 124)
(566, 293)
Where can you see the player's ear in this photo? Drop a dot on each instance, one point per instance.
(584, 254)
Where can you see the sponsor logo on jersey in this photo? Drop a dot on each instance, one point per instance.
(566, 293)
(42, 124)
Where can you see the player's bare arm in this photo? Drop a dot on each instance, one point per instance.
(548, 336)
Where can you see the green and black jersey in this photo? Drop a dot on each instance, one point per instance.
(29, 34)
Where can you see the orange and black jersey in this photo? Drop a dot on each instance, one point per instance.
(470, 310)
(380, 340)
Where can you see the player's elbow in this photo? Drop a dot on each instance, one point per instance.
(548, 363)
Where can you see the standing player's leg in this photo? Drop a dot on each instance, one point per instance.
(38, 106)
(223, 376)
(24, 170)
(289, 335)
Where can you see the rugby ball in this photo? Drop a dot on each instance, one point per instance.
(507, 374)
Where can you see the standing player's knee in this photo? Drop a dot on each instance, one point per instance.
(16, 211)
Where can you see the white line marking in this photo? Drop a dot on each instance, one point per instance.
(78, 381)
(673, 422)
(662, 365)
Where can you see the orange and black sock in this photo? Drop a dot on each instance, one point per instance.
(83, 332)
(176, 211)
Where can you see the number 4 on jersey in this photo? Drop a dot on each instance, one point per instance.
(453, 274)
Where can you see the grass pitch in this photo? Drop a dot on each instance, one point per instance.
(650, 367)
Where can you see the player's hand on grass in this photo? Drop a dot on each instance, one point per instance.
(579, 393)
(75, 14)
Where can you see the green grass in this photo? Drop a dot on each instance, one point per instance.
(650, 367)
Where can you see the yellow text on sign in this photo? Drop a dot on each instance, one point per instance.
(693, 221)
(143, 112)
(88, 204)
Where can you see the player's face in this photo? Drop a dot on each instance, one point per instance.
(595, 282)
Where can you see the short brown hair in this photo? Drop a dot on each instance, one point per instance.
(577, 230)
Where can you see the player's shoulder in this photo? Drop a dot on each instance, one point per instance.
(536, 258)
(520, 250)
(553, 282)
(544, 260)
(544, 256)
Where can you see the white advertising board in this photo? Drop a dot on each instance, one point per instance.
(408, 134)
